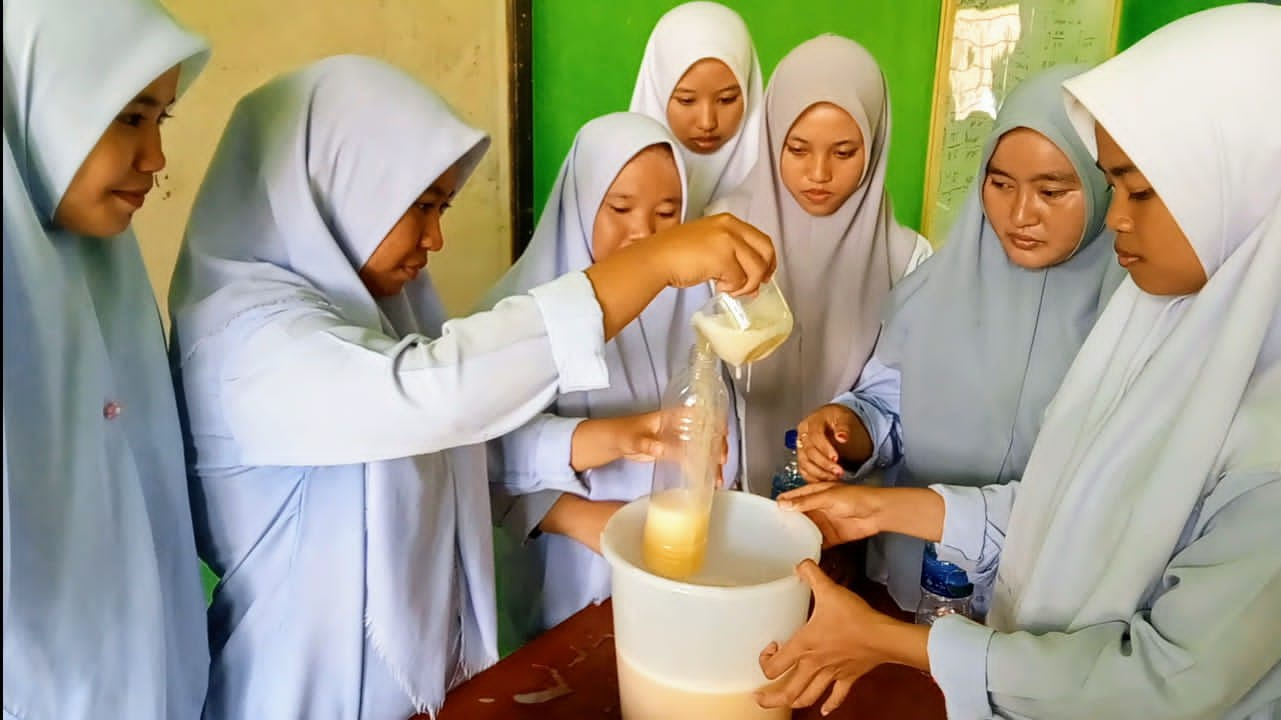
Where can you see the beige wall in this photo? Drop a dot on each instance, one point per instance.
(459, 48)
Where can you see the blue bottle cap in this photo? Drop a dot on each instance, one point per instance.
(943, 578)
(789, 439)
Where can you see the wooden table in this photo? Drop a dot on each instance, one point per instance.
(578, 657)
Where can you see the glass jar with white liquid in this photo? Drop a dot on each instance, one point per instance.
(742, 330)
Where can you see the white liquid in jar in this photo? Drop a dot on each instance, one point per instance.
(737, 346)
(645, 697)
(675, 537)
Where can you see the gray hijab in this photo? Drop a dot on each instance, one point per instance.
(970, 417)
(835, 271)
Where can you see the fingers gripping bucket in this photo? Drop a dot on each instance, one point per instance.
(690, 650)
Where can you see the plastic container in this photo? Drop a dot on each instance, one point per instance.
(788, 476)
(945, 589)
(689, 650)
(743, 330)
(695, 420)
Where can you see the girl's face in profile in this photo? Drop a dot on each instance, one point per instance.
(115, 177)
(1149, 242)
(403, 252)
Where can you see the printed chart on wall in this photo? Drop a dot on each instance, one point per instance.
(986, 47)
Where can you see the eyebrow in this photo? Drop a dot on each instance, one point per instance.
(1046, 176)
(435, 192)
(1056, 177)
(150, 101)
(847, 141)
(1117, 171)
(682, 89)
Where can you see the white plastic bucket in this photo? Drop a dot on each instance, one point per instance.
(690, 650)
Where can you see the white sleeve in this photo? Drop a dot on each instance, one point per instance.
(538, 456)
(308, 388)
(974, 523)
(920, 254)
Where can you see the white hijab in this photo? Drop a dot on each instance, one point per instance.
(1139, 432)
(311, 174)
(104, 614)
(683, 36)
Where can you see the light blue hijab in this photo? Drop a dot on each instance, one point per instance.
(319, 554)
(641, 358)
(103, 609)
(970, 415)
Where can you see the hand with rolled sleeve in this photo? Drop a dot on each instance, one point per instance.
(843, 640)
(845, 513)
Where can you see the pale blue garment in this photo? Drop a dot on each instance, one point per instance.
(566, 575)
(103, 609)
(1197, 641)
(981, 344)
(340, 486)
(1139, 575)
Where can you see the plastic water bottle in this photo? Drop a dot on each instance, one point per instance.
(692, 433)
(788, 476)
(945, 589)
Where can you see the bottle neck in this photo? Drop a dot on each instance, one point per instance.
(701, 357)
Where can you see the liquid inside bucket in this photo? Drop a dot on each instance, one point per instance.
(645, 697)
(689, 649)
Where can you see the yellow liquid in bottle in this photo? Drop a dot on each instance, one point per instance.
(675, 537)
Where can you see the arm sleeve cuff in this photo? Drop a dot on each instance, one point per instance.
(958, 661)
(964, 525)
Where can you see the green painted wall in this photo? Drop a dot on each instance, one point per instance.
(587, 53)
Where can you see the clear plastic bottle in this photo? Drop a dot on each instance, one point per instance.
(945, 589)
(695, 420)
(742, 330)
(788, 475)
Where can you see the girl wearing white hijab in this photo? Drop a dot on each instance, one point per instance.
(1027, 269)
(103, 607)
(1136, 562)
(819, 191)
(340, 480)
(701, 78)
(622, 181)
